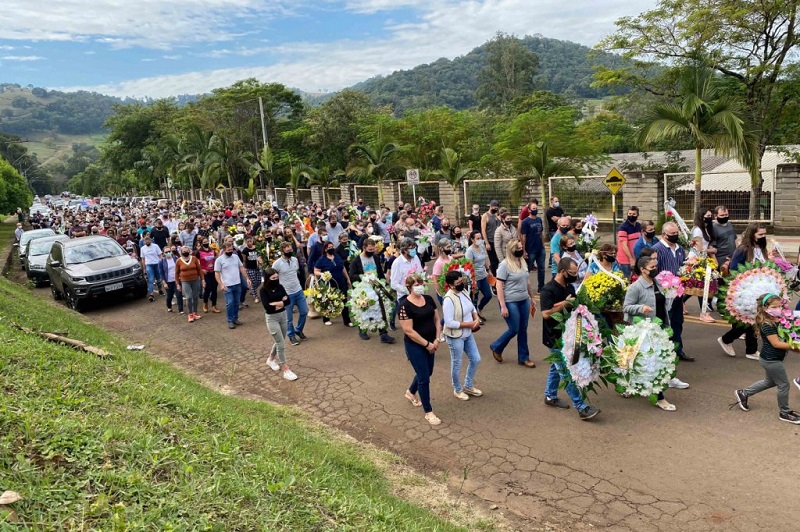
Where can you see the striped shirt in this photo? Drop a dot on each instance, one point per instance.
(669, 259)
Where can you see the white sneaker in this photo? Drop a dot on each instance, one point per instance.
(289, 375)
(675, 382)
(274, 366)
(461, 395)
(728, 348)
(754, 356)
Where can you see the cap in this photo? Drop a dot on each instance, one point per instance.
(494, 203)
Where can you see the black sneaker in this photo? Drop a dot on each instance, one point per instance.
(790, 417)
(363, 335)
(741, 398)
(556, 402)
(294, 341)
(231, 325)
(302, 336)
(588, 413)
(161, 292)
(151, 298)
(386, 339)
(392, 327)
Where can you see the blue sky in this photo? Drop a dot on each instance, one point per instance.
(160, 48)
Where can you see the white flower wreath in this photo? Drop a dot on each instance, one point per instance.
(642, 358)
(371, 304)
(586, 369)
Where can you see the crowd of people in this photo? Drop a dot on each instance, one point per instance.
(269, 254)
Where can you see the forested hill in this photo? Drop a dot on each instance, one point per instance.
(564, 67)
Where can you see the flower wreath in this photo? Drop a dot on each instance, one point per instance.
(328, 300)
(641, 361)
(581, 348)
(738, 301)
(462, 265)
(371, 303)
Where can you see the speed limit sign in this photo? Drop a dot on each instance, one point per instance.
(412, 176)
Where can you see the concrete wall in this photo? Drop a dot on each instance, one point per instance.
(645, 189)
(787, 199)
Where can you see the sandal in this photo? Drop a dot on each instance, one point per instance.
(413, 400)
(666, 405)
(432, 419)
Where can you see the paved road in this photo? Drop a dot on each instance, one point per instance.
(635, 467)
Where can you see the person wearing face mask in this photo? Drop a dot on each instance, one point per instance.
(151, 256)
(553, 213)
(207, 256)
(189, 281)
(644, 298)
(557, 295)
(570, 250)
(406, 263)
(229, 272)
(460, 321)
(647, 240)
(474, 219)
(606, 260)
(166, 267)
(288, 267)
(442, 232)
(504, 234)
(532, 234)
(315, 244)
(334, 227)
(477, 254)
(753, 249)
(368, 263)
(489, 224)
(725, 236)
(332, 263)
(627, 235)
(671, 257)
(275, 301)
(515, 295)
(555, 242)
(703, 244)
(419, 319)
(444, 250)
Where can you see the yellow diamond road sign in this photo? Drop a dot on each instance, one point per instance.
(614, 181)
(221, 187)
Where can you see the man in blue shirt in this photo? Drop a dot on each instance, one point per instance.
(532, 231)
(555, 243)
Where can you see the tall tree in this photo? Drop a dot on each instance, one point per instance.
(14, 191)
(508, 74)
(454, 172)
(334, 126)
(708, 118)
(373, 162)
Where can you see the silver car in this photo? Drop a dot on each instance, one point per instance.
(36, 258)
(25, 239)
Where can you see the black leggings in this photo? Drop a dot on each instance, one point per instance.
(211, 289)
(750, 339)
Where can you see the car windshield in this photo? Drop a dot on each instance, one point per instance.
(92, 252)
(32, 235)
(40, 248)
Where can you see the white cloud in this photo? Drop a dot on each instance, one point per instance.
(23, 58)
(443, 28)
(6, 47)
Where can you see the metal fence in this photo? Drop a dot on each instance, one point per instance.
(281, 195)
(428, 190)
(579, 196)
(368, 193)
(481, 191)
(331, 195)
(731, 189)
(303, 195)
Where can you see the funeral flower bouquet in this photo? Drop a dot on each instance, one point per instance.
(462, 265)
(603, 291)
(693, 275)
(581, 348)
(738, 300)
(371, 302)
(328, 300)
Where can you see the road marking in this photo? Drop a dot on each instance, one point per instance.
(695, 319)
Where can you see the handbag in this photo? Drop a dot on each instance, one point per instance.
(312, 312)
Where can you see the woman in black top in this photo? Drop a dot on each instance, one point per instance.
(274, 298)
(420, 322)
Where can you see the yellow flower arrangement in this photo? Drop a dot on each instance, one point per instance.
(603, 291)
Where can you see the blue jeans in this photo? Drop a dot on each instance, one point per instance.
(537, 258)
(153, 276)
(554, 379)
(171, 292)
(486, 292)
(517, 321)
(243, 288)
(458, 347)
(626, 269)
(422, 362)
(299, 299)
(232, 296)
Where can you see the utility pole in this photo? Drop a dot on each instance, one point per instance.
(263, 131)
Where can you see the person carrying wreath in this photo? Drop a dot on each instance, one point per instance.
(460, 321)
(332, 263)
(366, 263)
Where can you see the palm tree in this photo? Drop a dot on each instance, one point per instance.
(709, 118)
(454, 173)
(373, 162)
(194, 150)
(536, 159)
(263, 165)
(322, 177)
(227, 160)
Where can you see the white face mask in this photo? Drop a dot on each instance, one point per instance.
(419, 289)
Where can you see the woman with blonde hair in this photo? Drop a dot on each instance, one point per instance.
(515, 295)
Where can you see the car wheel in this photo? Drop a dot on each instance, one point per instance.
(73, 301)
(58, 296)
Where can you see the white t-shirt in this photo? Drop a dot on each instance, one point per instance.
(466, 314)
(151, 254)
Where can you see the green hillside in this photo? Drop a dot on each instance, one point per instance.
(564, 67)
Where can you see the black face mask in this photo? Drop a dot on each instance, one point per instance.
(518, 253)
(493, 210)
(447, 251)
(445, 227)
(672, 239)
(572, 248)
(205, 244)
(611, 259)
(507, 222)
(287, 254)
(369, 253)
(708, 221)
(458, 287)
(409, 211)
(564, 230)
(651, 273)
(329, 251)
(457, 235)
(632, 219)
(570, 278)
(229, 253)
(762, 242)
(650, 235)
(185, 254)
(274, 283)
(534, 212)
(722, 219)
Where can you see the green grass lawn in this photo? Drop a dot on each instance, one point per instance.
(126, 442)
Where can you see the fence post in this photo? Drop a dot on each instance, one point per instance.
(347, 193)
(787, 198)
(449, 200)
(388, 193)
(316, 195)
(645, 189)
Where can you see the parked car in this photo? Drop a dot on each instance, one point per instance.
(92, 268)
(36, 258)
(26, 238)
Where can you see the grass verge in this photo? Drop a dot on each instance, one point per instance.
(131, 443)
